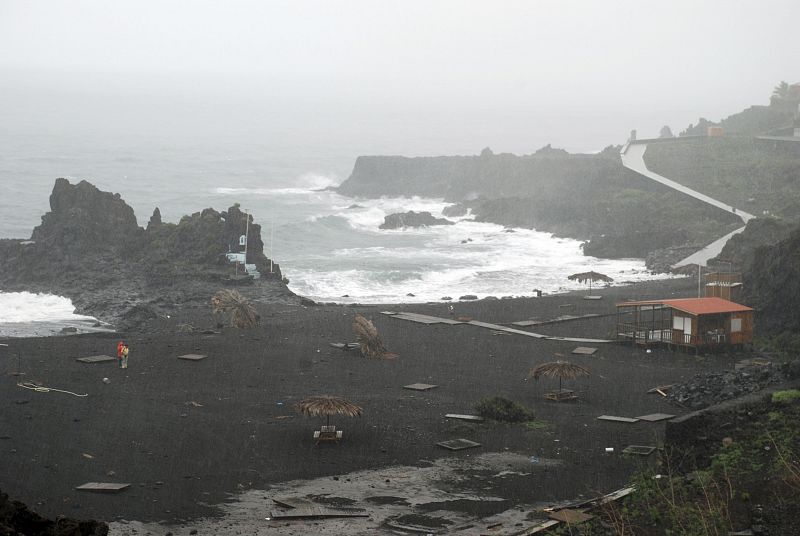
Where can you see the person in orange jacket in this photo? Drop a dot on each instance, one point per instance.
(125, 351)
(120, 346)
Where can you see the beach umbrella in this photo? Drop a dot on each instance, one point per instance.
(369, 341)
(243, 314)
(591, 277)
(316, 406)
(558, 369)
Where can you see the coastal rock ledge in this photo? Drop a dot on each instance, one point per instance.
(412, 219)
(90, 249)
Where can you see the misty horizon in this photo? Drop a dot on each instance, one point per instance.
(366, 78)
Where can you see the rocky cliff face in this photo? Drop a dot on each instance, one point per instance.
(588, 197)
(772, 285)
(82, 218)
(90, 248)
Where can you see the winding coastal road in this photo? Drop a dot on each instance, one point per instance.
(633, 159)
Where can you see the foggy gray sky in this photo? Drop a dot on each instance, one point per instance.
(431, 77)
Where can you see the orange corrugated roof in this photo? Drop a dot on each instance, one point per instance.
(696, 306)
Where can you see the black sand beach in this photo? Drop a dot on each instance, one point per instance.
(187, 435)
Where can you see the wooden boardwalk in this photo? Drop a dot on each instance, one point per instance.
(427, 319)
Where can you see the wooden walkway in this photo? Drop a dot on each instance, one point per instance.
(426, 319)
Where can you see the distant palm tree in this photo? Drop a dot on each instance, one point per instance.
(243, 315)
(369, 341)
(781, 91)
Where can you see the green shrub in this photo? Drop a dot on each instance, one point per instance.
(783, 397)
(502, 409)
(538, 425)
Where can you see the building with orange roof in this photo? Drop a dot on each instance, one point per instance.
(687, 323)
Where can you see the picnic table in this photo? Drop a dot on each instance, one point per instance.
(561, 395)
(327, 434)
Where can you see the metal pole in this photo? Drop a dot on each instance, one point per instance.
(246, 235)
(699, 274)
(271, 242)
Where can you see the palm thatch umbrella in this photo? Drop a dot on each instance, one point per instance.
(371, 344)
(316, 406)
(558, 369)
(243, 314)
(591, 277)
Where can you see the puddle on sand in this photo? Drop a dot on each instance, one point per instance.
(396, 494)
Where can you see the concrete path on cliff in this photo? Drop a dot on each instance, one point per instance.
(633, 159)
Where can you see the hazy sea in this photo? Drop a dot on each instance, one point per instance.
(328, 245)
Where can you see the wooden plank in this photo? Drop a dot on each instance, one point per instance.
(526, 323)
(654, 417)
(541, 527)
(318, 511)
(96, 359)
(103, 487)
(584, 350)
(192, 357)
(661, 389)
(420, 386)
(640, 450)
(615, 418)
(570, 516)
(497, 327)
(458, 444)
(460, 417)
(616, 495)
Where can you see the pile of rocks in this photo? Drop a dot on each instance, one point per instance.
(16, 518)
(705, 390)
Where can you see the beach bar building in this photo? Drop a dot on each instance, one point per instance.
(690, 323)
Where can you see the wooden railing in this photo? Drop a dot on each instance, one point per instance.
(640, 335)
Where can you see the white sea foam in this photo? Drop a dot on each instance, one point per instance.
(29, 307)
(466, 258)
(303, 185)
(373, 211)
(24, 314)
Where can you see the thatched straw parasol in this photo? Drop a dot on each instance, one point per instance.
(367, 335)
(243, 315)
(591, 277)
(315, 406)
(558, 369)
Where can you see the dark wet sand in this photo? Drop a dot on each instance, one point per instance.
(187, 435)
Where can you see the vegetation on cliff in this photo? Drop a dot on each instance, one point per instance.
(741, 474)
(751, 174)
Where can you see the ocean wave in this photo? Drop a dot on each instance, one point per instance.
(307, 183)
(28, 307)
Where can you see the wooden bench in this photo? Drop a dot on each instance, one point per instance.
(561, 395)
(327, 434)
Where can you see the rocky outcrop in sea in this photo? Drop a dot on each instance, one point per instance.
(90, 248)
(412, 219)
